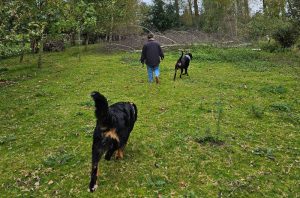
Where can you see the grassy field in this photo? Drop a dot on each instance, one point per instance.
(230, 129)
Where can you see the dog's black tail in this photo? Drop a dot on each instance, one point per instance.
(180, 56)
(101, 105)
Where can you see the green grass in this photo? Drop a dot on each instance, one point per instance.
(230, 129)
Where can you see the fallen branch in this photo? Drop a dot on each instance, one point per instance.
(123, 46)
(166, 38)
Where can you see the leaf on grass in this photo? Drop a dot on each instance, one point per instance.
(50, 182)
(183, 184)
(37, 184)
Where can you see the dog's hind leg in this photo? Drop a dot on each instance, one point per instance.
(96, 155)
(120, 152)
(111, 151)
(181, 72)
(109, 154)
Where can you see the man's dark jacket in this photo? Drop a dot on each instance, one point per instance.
(152, 53)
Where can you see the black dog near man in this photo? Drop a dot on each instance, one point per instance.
(183, 64)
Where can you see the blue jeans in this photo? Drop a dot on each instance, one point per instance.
(150, 71)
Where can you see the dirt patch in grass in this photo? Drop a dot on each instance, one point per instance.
(4, 82)
(213, 141)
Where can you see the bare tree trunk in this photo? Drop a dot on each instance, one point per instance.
(196, 9)
(33, 45)
(73, 38)
(79, 42)
(176, 4)
(246, 11)
(294, 9)
(23, 48)
(41, 50)
(191, 10)
(282, 7)
(290, 7)
(86, 41)
(236, 16)
(264, 6)
(111, 29)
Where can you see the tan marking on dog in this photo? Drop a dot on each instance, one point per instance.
(119, 154)
(112, 134)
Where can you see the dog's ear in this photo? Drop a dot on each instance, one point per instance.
(190, 54)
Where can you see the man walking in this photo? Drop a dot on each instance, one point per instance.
(151, 55)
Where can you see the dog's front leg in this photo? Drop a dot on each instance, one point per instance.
(186, 71)
(181, 70)
(96, 155)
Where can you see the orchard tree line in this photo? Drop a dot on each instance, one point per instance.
(32, 24)
(39, 25)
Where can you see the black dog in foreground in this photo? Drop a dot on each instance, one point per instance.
(114, 124)
(183, 63)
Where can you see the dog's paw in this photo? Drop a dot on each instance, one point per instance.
(107, 157)
(93, 188)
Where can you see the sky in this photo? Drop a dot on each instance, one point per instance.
(255, 5)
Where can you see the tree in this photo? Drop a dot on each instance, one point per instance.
(45, 20)
(217, 15)
(241, 15)
(186, 18)
(171, 16)
(88, 20)
(13, 28)
(190, 9)
(246, 12)
(162, 16)
(176, 6)
(294, 11)
(274, 8)
(196, 8)
(286, 35)
(157, 15)
(69, 23)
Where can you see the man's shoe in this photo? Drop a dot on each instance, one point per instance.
(157, 80)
